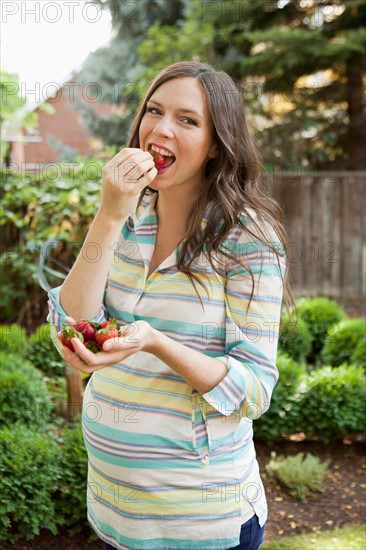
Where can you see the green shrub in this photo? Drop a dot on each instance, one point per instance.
(342, 340)
(359, 355)
(24, 396)
(13, 339)
(43, 354)
(283, 415)
(71, 495)
(320, 314)
(29, 470)
(41, 207)
(332, 402)
(302, 476)
(57, 389)
(295, 338)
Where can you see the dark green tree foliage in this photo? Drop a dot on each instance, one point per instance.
(116, 68)
(299, 65)
(280, 42)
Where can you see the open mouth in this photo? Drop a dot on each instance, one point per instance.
(162, 158)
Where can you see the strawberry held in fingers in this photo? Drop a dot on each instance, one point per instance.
(67, 334)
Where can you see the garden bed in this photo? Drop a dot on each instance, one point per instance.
(343, 501)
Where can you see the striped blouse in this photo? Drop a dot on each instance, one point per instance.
(169, 467)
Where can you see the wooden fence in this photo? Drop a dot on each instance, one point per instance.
(325, 220)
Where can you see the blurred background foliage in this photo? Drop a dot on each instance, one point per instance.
(299, 66)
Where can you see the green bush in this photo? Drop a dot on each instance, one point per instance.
(43, 354)
(13, 339)
(332, 402)
(320, 314)
(41, 207)
(359, 355)
(342, 340)
(71, 495)
(24, 396)
(283, 415)
(295, 338)
(29, 470)
(302, 476)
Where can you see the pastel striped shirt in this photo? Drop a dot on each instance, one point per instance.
(169, 467)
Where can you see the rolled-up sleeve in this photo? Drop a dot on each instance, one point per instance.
(56, 315)
(251, 338)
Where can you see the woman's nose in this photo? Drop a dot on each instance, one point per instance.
(164, 127)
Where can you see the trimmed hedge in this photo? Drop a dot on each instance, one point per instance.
(295, 338)
(359, 355)
(282, 416)
(24, 397)
(43, 354)
(342, 340)
(332, 402)
(29, 471)
(320, 314)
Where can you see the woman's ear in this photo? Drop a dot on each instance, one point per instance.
(214, 151)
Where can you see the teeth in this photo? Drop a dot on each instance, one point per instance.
(161, 151)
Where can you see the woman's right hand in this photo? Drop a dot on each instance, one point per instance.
(123, 178)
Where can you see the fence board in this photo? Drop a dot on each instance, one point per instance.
(324, 219)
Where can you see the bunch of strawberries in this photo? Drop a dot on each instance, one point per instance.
(93, 335)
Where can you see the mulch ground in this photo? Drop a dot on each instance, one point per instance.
(342, 502)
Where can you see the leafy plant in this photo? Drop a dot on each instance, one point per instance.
(56, 205)
(359, 355)
(320, 314)
(332, 402)
(24, 396)
(42, 352)
(29, 470)
(71, 494)
(283, 414)
(295, 338)
(301, 475)
(13, 339)
(342, 340)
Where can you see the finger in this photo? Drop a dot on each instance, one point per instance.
(83, 352)
(124, 154)
(70, 321)
(87, 361)
(72, 359)
(148, 177)
(135, 168)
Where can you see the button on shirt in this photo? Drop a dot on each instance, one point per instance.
(169, 467)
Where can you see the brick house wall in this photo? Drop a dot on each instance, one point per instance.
(64, 122)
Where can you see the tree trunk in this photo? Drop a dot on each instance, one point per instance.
(356, 141)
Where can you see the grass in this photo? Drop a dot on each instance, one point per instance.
(350, 537)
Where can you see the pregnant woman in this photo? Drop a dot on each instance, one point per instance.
(191, 263)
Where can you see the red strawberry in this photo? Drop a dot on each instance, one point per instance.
(109, 329)
(67, 333)
(159, 159)
(87, 329)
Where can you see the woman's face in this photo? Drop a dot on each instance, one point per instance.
(177, 121)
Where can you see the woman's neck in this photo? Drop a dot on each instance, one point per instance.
(173, 211)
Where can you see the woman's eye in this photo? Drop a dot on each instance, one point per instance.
(152, 110)
(190, 121)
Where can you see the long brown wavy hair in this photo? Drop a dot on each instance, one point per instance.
(232, 180)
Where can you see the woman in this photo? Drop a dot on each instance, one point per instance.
(189, 258)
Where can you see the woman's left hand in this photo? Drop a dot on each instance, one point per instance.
(135, 337)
